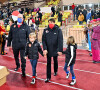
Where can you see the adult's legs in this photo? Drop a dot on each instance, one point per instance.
(48, 67)
(23, 60)
(55, 64)
(16, 56)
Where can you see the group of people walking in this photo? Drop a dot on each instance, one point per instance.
(25, 42)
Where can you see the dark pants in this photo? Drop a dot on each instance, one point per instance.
(3, 46)
(16, 56)
(80, 22)
(85, 18)
(49, 66)
(34, 64)
(75, 17)
(71, 70)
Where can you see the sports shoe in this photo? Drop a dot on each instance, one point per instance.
(47, 80)
(55, 73)
(16, 69)
(67, 76)
(73, 82)
(23, 74)
(33, 81)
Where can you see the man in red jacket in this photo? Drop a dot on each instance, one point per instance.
(73, 6)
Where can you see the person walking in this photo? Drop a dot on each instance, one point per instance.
(18, 35)
(52, 40)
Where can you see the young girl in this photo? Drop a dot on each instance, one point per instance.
(32, 49)
(70, 58)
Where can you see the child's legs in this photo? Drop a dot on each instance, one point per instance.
(34, 64)
(72, 71)
(65, 68)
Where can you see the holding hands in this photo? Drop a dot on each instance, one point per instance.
(59, 53)
(45, 53)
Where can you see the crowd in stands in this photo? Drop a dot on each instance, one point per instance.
(84, 14)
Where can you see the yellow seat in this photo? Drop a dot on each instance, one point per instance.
(58, 23)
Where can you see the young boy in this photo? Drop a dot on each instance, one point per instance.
(32, 49)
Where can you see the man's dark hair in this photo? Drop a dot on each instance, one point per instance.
(52, 20)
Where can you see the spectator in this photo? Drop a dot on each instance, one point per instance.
(53, 11)
(92, 13)
(58, 9)
(18, 35)
(75, 12)
(78, 12)
(40, 15)
(73, 6)
(60, 17)
(52, 40)
(29, 21)
(88, 17)
(81, 18)
(98, 13)
(85, 13)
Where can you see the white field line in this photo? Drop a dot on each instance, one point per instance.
(49, 81)
(63, 67)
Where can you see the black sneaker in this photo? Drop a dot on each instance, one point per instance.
(23, 74)
(55, 74)
(33, 81)
(47, 80)
(90, 54)
(94, 62)
(73, 82)
(16, 69)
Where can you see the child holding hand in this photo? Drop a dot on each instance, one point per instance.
(70, 58)
(31, 50)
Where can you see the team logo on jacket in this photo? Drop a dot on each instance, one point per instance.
(47, 31)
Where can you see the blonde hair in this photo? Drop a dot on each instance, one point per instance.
(32, 35)
(70, 40)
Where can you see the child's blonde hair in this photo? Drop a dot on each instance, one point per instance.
(70, 40)
(32, 35)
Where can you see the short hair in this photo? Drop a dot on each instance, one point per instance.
(70, 40)
(32, 35)
(52, 20)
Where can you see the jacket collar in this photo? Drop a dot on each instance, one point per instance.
(34, 42)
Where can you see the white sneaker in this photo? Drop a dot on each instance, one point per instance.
(73, 82)
(33, 81)
(67, 76)
(87, 45)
